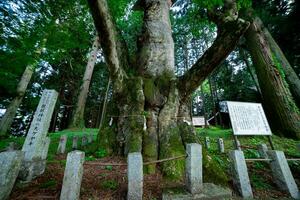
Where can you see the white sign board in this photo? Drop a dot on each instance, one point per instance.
(248, 119)
(199, 121)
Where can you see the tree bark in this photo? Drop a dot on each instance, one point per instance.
(289, 74)
(11, 110)
(78, 116)
(282, 112)
(153, 114)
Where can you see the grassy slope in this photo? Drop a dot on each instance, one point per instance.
(259, 172)
(54, 140)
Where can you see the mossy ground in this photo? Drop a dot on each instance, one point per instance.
(259, 173)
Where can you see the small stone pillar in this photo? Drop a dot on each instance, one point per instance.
(282, 174)
(72, 176)
(10, 165)
(262, 150)
(84, 141)
(240, 173)
(90, 138)
(62, 144)
(135, 176)
(75, 143)
(221, 145)
(193, 168)
(207, 143)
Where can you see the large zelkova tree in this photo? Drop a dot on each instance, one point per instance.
(78, 115)
(151, 105)
(277, 79)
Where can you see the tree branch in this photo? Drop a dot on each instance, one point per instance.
(110, 41)
(230, 29)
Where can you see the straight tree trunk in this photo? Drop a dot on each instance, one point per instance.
(282, 111)
(103, 113)
(279, 58)
(78, 116)
(11, 110)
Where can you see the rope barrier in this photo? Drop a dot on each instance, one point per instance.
(267, 160)
(145, 163)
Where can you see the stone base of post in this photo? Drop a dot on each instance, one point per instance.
(282, 174)
(240, 173)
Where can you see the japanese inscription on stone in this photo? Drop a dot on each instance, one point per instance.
(40, 124)
(248, 119)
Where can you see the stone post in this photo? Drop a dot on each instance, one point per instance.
(35, 141)
(84, 141)
(135, 176)
(193, 168)
(90, 138)
(262, 150)
(221, 145)
(72, 176)
(62, 144)
(240, 173)
(207, 142)
(282, 174)
(75, 143)
(10, 163)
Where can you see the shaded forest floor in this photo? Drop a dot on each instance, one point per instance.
(110, 182)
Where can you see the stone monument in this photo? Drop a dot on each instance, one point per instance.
(36, 144)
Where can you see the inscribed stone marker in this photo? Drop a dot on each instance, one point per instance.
(72, 176)
(35, 141)
(282, 173)
(135, 176)
(193, 168)
(240, 173)
(62, 144)
(10, 163)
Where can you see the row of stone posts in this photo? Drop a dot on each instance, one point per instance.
(220, 142)
(31, 161)
(279, 166)
(63, 142)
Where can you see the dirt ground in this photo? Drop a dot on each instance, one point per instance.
(109, 183)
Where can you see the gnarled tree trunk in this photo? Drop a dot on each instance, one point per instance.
(11, 110)
(152, 105)
(78, 115)
(278, 102)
